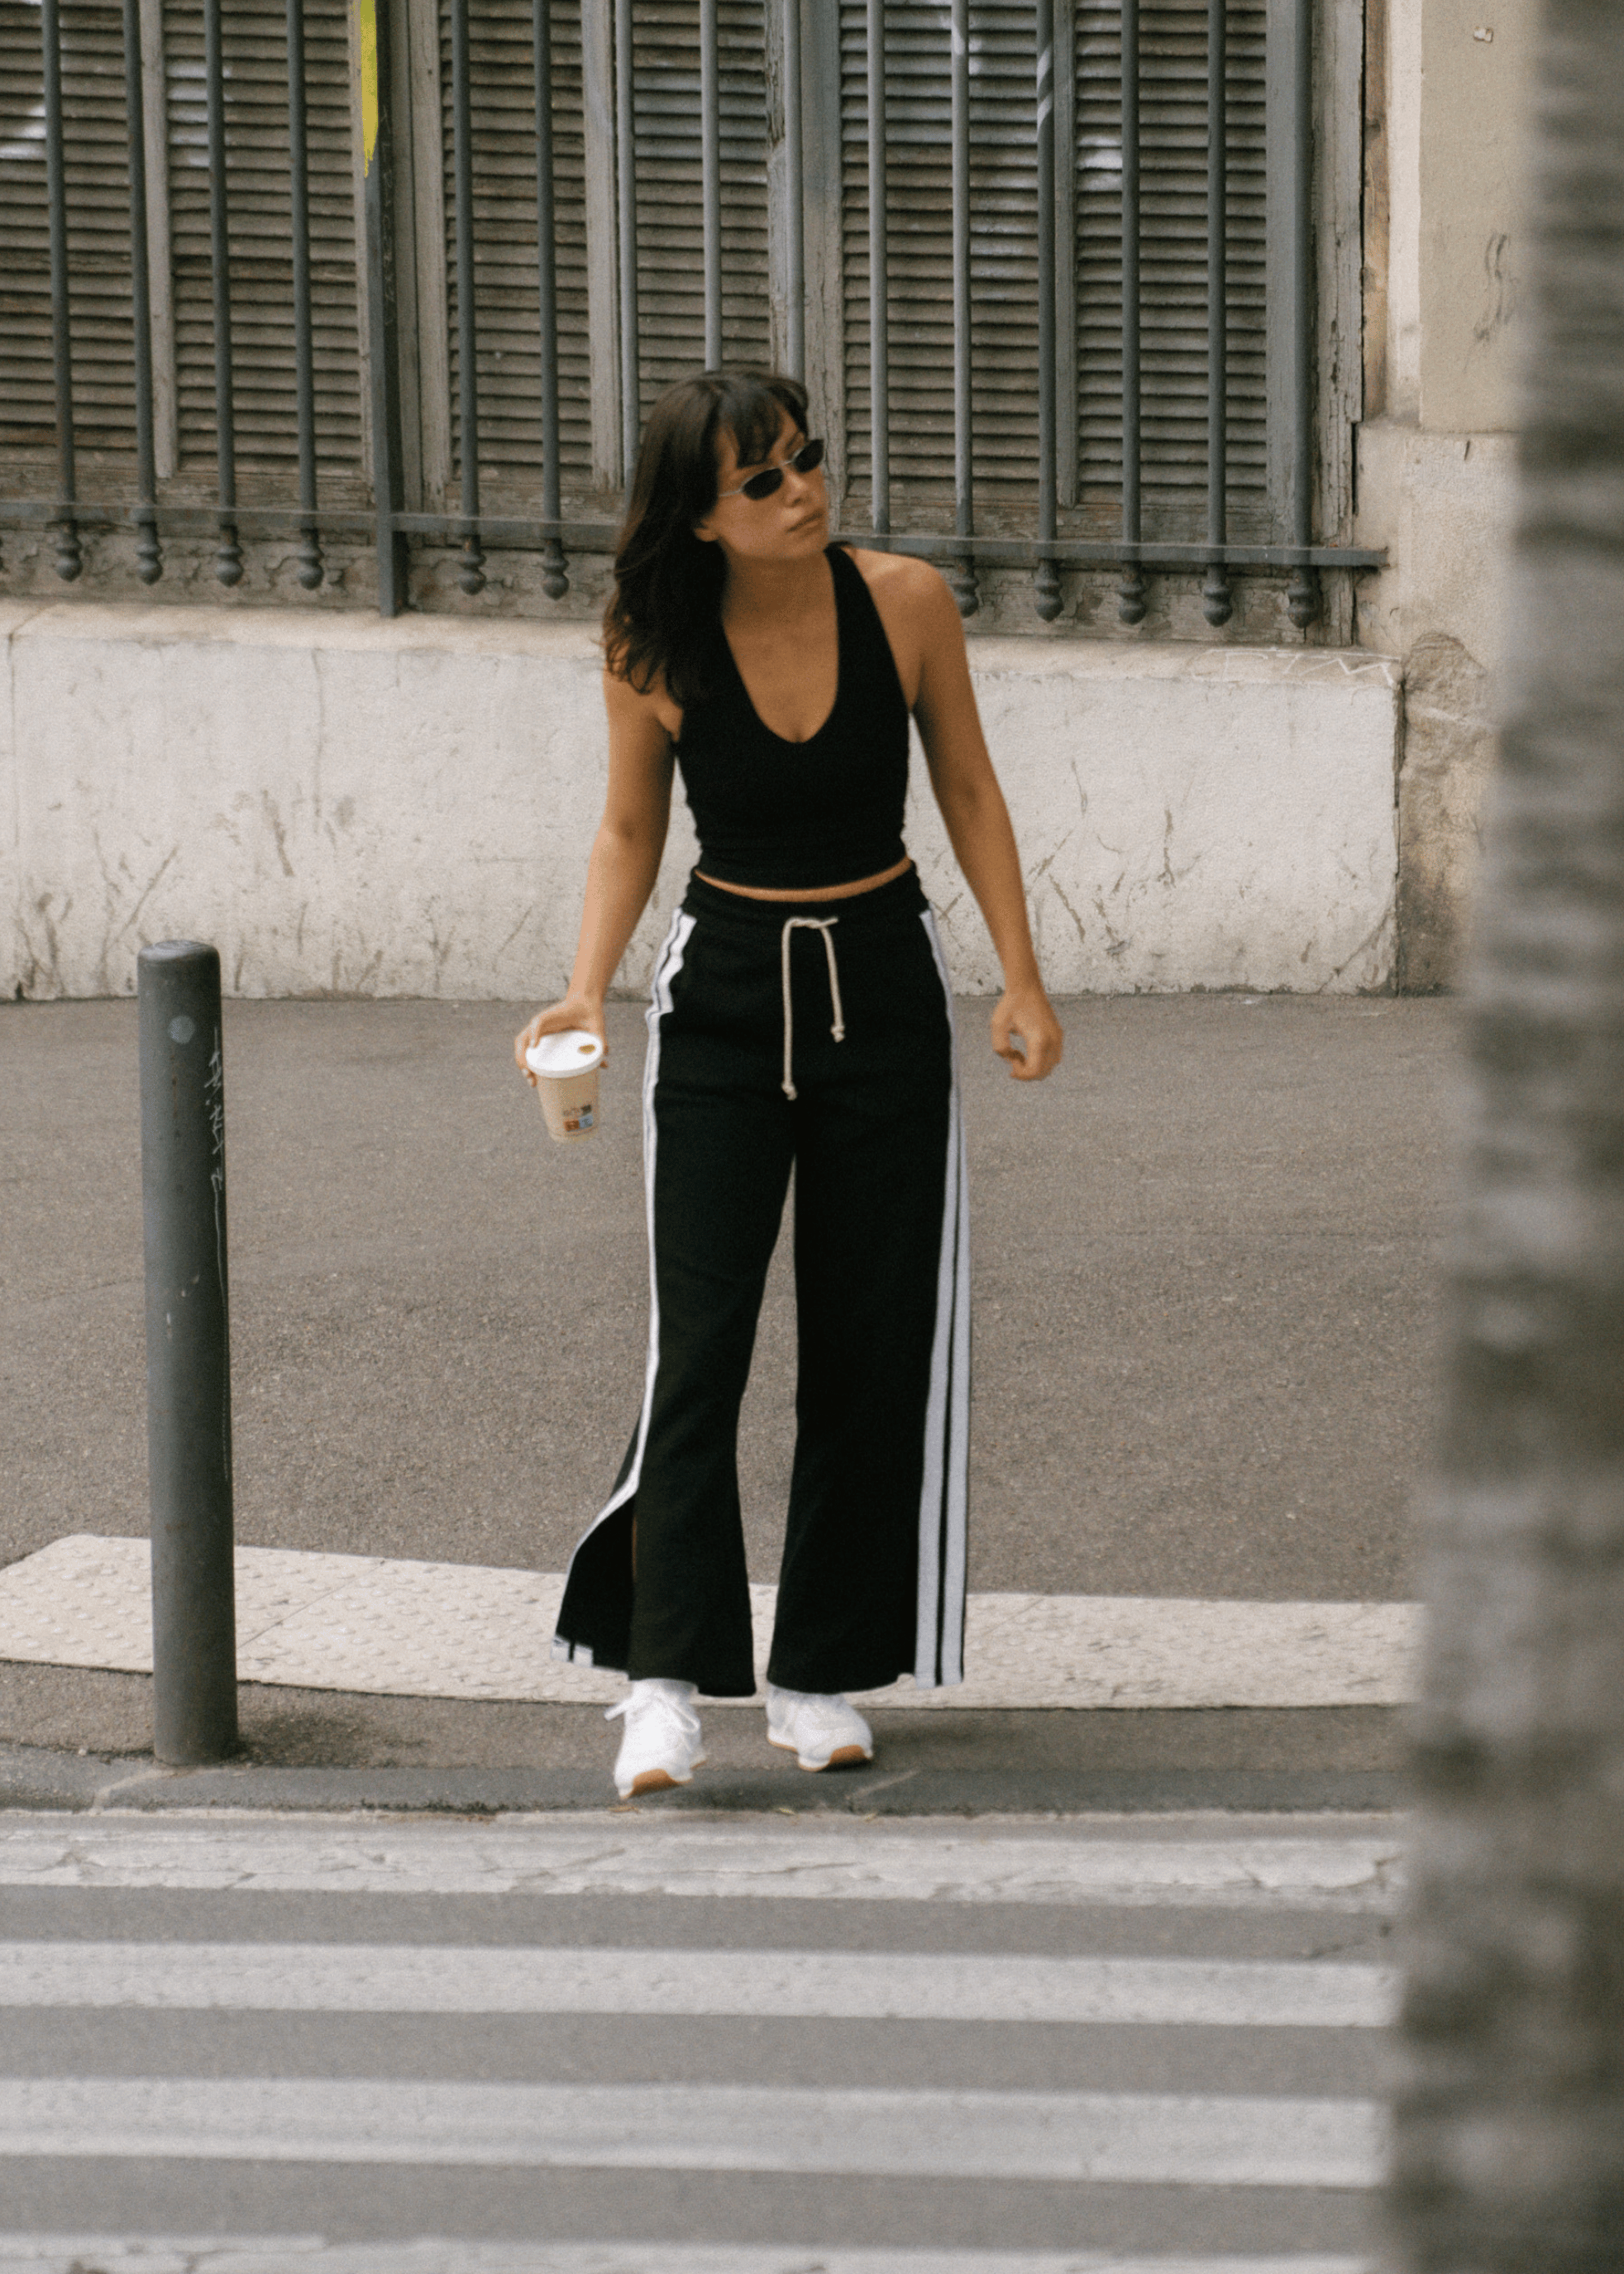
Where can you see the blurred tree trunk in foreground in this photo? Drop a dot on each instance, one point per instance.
(1511, 2122)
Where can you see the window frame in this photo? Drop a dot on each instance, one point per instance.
(1338, 77)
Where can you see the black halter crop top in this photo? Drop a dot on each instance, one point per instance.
(798, 815)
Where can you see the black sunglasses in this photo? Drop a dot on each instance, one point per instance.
(807, 459)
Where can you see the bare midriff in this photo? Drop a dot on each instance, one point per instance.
(814, 892)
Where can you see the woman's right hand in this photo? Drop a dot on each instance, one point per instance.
(557, 1019)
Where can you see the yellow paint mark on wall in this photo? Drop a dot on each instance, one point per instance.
(366, 44)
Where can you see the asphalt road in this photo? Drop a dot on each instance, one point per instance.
(1205, 1265)
(692, 2046)
(1204, 1258)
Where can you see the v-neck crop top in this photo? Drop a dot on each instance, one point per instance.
(797, 815)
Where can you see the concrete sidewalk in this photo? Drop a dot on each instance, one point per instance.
(1205, 1254)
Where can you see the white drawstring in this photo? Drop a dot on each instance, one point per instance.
(825, 924)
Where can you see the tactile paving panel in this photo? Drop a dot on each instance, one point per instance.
(416, 1629)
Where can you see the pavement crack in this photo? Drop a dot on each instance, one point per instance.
(882, 1784)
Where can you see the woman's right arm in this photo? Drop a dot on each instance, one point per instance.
(625, 860)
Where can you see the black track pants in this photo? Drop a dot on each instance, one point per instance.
(872, 1584)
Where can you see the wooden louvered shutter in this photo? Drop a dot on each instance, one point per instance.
(506, 296)
(257, 171)
(670, 285)
(1003, 260)
(98, 179)
(919, 249)
(1172, 263)
(670, 227)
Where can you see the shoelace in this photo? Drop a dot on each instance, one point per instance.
(824, 925)
(686, 1720)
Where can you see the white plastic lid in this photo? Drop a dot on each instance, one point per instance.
(574, 1051)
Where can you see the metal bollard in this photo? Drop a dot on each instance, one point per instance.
(187, 1353)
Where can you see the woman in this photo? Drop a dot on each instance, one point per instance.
(801, 1017)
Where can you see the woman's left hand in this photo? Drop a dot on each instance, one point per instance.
(1026, 1012)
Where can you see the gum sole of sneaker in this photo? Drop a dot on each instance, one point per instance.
(661, 1779)
(843, 1757)
(651, 1780)
(658, 1781)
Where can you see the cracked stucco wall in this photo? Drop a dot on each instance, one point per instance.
(354, 806)
(1446, 126)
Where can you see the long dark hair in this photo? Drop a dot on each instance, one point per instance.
(667, 594)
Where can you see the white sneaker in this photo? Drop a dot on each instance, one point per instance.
(822, 1733)
(661, 1746)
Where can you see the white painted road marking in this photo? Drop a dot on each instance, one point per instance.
(344, 1978)
(412, 1629)
(1349, 1864)
(73, 2253)
(1149, 2139)
(400, 2135)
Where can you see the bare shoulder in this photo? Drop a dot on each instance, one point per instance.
(918, 610)
(648, 711)
(903, 582)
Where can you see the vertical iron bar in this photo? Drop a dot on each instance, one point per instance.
(148, 559)
(383, 303)
(310, 570)
(879, 310)
(793, 167)
(1302, 593)
(554, 582)
(1215, 602)
(69, 560)
(1046, 582)
(1131, 600)
(471, 575)
(962, 578)
(188, 1353)
(710, 177)
(626, 184)
(228, 552)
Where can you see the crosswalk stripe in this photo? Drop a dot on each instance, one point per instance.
(1324, 1864)
(1145, 2139)
(437, 1978)
(74, 2254)
(415, 1628)
(1230, 2132)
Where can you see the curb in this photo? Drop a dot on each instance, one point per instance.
(41, 1778)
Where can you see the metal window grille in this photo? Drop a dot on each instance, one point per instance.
(308, 266)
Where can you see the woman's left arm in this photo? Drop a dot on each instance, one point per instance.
(978, 826)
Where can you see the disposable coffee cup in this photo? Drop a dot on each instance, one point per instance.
(566, 1070)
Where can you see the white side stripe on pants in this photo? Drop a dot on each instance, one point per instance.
(939, 1642)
